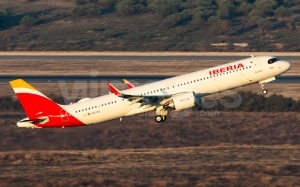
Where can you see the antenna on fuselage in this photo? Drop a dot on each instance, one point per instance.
(252, 56)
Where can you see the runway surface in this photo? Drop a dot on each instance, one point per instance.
(294, 79)
(130, 58)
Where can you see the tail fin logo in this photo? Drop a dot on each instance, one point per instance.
(38, 106)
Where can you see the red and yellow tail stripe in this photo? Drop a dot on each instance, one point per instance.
(20, 86)
(37, 106)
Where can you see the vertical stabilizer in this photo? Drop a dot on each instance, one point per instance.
(33, 101)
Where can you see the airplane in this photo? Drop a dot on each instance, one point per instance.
(176, 93)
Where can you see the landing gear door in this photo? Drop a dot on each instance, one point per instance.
(257, 65)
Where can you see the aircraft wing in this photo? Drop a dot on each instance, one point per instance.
(151, 100)
(132, 98)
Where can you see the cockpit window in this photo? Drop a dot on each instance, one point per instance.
(273, 60)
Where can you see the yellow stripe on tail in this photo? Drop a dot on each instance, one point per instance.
(20, 83)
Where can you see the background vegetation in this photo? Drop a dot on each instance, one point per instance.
(156, 25)
(195, 129)
(253, 102)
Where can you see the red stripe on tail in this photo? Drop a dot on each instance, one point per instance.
(37, 107)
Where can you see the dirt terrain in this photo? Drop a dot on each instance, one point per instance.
(192, 166)
(190, 149)
(145, 53)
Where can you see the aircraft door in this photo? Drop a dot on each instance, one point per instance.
(64, 115)
(257, 65)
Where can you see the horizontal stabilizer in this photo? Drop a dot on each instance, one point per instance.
(33, 120)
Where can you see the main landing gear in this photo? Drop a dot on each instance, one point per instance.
(263, 90)
(160, 118)
(161, 114)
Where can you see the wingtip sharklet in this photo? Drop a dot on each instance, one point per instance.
(113, 89)
(128, 84)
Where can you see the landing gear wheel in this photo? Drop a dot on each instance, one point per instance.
(159, 119)
(264, 91)
(164, 118)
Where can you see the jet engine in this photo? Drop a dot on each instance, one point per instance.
(184, 101)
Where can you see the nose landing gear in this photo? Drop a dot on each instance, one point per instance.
(263, 90)
(261, 83)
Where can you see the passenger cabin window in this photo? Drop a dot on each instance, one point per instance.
(273, 60)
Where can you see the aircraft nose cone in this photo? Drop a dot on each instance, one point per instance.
(284, 66)
(287, 65)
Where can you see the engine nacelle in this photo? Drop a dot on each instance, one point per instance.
(184, 101)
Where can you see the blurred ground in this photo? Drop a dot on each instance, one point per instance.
(192, 166)
(114, 67)
(184, 129)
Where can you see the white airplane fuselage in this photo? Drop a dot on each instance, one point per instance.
(202, 83)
